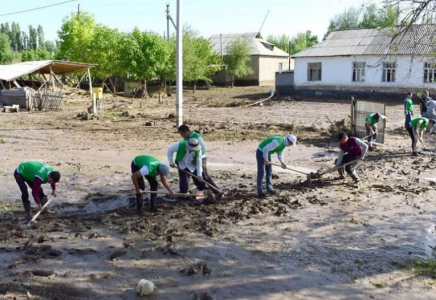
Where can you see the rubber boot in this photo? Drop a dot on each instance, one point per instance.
(153, 206)
(355, 177)
(139, 205)
(28, 212)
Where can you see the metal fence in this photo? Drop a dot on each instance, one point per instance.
(360, 110)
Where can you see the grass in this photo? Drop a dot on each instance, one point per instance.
(425, 267)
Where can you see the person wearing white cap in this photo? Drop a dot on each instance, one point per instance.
(149, 167)
(271, 145)
(188, 159)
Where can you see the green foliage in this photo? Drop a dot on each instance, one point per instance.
(75, 37)
(38, 54)
(5, 49)
(369, 17)
(298, 43)
(426, 267)
(238, 59)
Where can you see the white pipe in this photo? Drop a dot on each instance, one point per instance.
(179, 65)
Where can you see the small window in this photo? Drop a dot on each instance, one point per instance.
(280, 67)
(429, 72)
(314, 72)
(358, 72)
(389, 72)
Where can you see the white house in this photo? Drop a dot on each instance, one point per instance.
(369, 62)
(266, 59)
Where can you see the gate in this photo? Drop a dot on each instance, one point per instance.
(360, 110)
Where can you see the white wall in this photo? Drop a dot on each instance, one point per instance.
(337, 72)
(268, 66)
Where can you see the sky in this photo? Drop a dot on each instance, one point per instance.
(208, 17)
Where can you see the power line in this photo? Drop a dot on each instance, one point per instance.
(37, 8)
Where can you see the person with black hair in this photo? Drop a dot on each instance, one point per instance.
(352, 149)
(416, 131)
(408, 109)
(371, 126)
(424, 103)
(35, 173)
(186, 134)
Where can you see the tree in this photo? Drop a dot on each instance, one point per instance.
(238, 59)
(33, 38)
(15, 37)
(146, 55)
(303, 41)
(24, 40)
(40, 33)
(75, 37)
(199, 60)
(5, 49)
(281, 42)
(51, 47)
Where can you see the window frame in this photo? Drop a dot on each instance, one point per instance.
(310, 72)
(389, 69)
(429, 66)
(358, 69)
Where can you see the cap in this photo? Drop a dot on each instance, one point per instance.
(164, 170)
(292, 138)
(193, 144)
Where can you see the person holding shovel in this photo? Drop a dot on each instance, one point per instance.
(34, 174)
(271, 145)
(188, 162)
(186, 134)
(416, 131)
(352, 149)
(371, 126)
(149, 167)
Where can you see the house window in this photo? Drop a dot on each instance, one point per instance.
(358, 71)
(429, 72)
(314, 72)
(389, 72)
(280, 67)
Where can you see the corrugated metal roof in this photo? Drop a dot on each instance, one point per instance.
(13, 71)
(258, 46)
(413, 40)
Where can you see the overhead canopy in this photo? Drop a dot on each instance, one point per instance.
(14, 71)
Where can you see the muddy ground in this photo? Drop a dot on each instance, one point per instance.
(331, 240)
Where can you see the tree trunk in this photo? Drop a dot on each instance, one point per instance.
(144, 93)
(233, 80)
(194, 87)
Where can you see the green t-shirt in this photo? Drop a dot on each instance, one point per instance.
(181, 151)
(150, 162)
(408, 104)
(371, 120)
(280, 148)
(424, 124)
(31, 169)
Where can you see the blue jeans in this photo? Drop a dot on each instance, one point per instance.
(261, 168)
(409, 115)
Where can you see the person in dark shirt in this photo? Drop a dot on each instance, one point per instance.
(351, 150)
(424, 103)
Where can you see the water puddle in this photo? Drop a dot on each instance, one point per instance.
(97, 204)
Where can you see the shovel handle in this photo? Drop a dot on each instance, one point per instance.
(301, 172)
(39, 212)
(207, 183)
(162, 193)
(338, 167)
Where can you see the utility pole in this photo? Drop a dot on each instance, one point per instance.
(179, 65)
(168, 21)
(78, 9)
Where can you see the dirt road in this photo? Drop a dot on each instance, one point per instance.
(332, 240)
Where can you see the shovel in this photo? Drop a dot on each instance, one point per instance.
(207, 183)
(166, 193)
(319, 174)
(308, 175)
(30, 223)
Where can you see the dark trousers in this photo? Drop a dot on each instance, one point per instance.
(24, 192)
(261, 170)
(368, 132)
(349, 168)
(206, 176)
(184, 181)
(412, 134)
(152, 181)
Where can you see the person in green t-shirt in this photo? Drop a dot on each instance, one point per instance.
(371, 126)
(271, 145)
(149, 167)
(34, 174)
(186, 134)
(416, 131)
(408, 109)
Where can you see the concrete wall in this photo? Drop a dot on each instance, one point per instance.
(268, 66)
(264, 72)
(337, 74)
